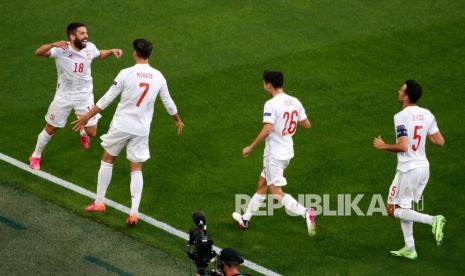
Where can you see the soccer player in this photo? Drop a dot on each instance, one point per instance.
(280, 117)
(73, 60)
(139, 87)
(413, 124)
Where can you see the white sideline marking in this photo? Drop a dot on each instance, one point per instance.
(161, 225)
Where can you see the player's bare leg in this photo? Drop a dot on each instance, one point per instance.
(295, 207)
(137, 184)
(42, 140)
(255, 202)
(103, 181)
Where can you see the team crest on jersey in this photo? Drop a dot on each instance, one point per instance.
(70, 56)
(89, 56)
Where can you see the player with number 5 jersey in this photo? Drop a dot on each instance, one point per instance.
(413, 125)
(139, 87)
(281, 115)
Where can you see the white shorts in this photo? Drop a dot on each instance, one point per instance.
(137, 147)
(408, 186)
(273, 170)
(60, 108)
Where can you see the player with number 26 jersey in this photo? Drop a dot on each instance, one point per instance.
(283, 111)
(281, 115)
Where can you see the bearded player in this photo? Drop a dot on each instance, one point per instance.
(413, 125)
(73, 60)
(139, 87)
(281, 115)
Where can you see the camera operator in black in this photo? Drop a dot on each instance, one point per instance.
(229, 262)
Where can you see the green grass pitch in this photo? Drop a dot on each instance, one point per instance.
(345, 60)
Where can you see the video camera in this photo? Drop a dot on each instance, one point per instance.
(201, 246)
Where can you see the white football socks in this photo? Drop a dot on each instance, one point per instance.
(254, 204)
(42, 141)
(292, 205)
(407, 230)
(137, 183)
(83, 132)
(103, 180)
(409, 214)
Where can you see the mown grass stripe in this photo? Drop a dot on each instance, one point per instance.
(159, 224)
(13, 224)
(107, 266)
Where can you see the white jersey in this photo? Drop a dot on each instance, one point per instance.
(284, 112)
(416, 124)
(74, 73)
(139, 86)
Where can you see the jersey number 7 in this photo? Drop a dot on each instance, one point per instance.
(146, 89)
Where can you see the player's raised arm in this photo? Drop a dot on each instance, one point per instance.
(106, 53)
(44, 50)
(104, 101)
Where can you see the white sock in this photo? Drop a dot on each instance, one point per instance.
(103, 180)
(83, 132)
(42, 141)
(292, 205)
(137, 183)
(254, 204)
(407, 230)
(409, 214)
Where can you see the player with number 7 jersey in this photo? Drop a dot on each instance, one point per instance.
(139, 87)
(281, 115)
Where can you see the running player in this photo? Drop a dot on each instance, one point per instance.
(73, 60)
(413, 124)
(139, 87)
(280, 117)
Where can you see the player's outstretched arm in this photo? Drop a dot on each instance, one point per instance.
(266, 130)
(44, 50)
(112, 52)
(400, 146)
(305, 123)
(81, 122)
(437, 139)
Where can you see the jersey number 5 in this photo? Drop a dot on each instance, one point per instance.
(415, 137)
(291, 122)
(146, 89)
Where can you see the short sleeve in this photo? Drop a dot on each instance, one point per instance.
(302, 114)
(434, 127)
(95, 52)
(400, 125)
(55, 51)
(269, 115)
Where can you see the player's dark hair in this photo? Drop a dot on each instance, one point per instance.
(143, 47)
(71, 29)
(413, 90)
(275, 78)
